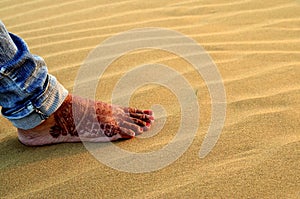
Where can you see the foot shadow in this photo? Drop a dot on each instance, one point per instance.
(13, 153)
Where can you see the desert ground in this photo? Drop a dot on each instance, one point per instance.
(256, 48)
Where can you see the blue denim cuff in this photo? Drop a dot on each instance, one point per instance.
(46, 104)
(28, 94)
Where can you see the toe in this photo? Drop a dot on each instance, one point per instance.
(148, 112)
(132, 126)
(143, 117)
(127, 133)
(132, 110)
(138, 122)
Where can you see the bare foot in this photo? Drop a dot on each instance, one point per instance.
(93, 122)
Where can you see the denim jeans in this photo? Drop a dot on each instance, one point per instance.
(28, 94)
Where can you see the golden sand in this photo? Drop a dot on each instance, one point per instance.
(255, 45)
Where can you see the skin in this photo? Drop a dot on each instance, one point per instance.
(80, 119)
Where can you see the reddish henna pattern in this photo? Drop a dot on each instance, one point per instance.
(64, 123)
(98, 119)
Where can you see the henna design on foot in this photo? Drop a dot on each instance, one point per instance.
(98, 119)
(64, 123)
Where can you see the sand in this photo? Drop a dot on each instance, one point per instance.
(256, 47)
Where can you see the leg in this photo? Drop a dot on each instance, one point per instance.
(43, 111)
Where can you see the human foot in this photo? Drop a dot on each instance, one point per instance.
(80, 119)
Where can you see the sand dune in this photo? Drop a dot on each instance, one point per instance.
(255, 45)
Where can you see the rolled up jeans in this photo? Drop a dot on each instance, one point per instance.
(28, 94)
